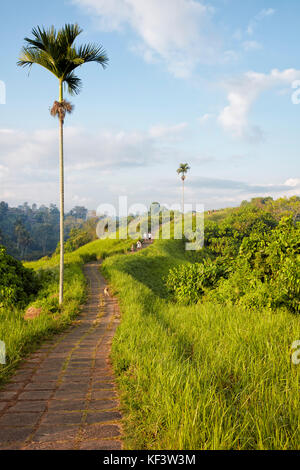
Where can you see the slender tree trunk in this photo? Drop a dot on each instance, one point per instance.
(183, 195)
(62, 198)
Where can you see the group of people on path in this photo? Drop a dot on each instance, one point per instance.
(147, 237)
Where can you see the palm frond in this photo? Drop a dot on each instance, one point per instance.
(93, 53)
(42, 38)
(183, 169)
(73, 83)
(30, 56)
(67, 35)
(55, 51)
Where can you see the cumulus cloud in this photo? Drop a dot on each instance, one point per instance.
(29, 160)
(177, 32)
(243, 92)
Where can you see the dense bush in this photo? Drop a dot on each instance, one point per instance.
(253, 261)
(187, 283)
(267, 270)
(17, 283)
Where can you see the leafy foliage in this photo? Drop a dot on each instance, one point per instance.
(189, 282)
(17, 283)
(56, 52)
(253, 259)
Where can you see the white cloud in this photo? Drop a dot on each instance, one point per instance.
(29, 160)
(178, 32)
(293, 183)
(243, 92)
(265, 13)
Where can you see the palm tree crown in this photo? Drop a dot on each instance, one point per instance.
(55, 51)
(182, 170)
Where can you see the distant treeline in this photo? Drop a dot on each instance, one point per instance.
(31, 232)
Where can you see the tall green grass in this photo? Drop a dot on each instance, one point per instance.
(204, 376)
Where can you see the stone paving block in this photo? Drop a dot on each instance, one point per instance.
(71, 387)
(10, 435)
(100, 431)
(50, 446)
(8, 396)
(102, 405)
(28, 406)
(103, 394)
(53, 433)
(100, 445)
(14, 387)
(44, 377)
(62, 418)
(67, 405)
(67, 395)
(77, 378)
(102, 378)
(38, 386)
(35, 395)
(102, 417)
(76, 373)
(103, 386)
(19, 419)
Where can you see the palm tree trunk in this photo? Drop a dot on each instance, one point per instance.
(62, 197)
(183, 196)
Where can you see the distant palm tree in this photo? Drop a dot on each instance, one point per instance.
(56, 52)
(182, 170)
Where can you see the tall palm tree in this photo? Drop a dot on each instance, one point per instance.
(56, 52)
(182, 170)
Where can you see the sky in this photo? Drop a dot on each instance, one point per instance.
(211, 83)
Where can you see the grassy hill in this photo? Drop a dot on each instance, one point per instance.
(203, 352)
(204, 376)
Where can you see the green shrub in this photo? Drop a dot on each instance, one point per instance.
(17, 283)
(256, 266)
(188, 283)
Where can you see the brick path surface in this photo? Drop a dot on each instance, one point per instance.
(64, 395)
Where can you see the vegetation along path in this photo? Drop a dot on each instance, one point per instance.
(64, 395)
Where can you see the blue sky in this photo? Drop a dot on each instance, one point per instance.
(203, 82)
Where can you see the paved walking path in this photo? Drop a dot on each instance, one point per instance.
(64, 395)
